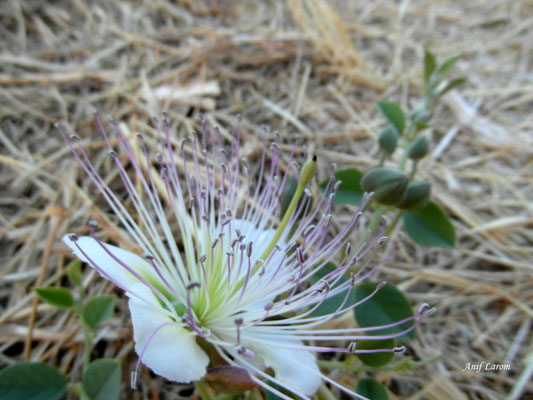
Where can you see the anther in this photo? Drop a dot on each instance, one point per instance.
(92, 224)
(291, 247)
(300, 255)
(352, 347)
(381, 284)
(326, 285)
(430, 311)
(243, 351)
(399, 349)
(192, 285)
(73, 237)
(348, 248)
(296, 165)
(422, 307)
(308, 230)
(133, 381)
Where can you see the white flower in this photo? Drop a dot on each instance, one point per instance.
(219, 269)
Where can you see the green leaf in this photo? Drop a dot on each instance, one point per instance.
(429, 226)
(388, 305)
(446, 67)
(392, 113)
(375, 359)
(32, 381)
(451, 84)
(101, 381)
(331, 304)
(98, 309)
(372, 389)
(430, 63)
(57, 296)
(74, 272)
(349, 191)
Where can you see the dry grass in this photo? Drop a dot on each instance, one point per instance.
(308, 68)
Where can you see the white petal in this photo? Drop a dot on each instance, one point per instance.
(285, 362)
(260, 238)
(112, 269)
(172, 352)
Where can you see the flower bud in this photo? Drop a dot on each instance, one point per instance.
(388, 139)
(417, 196)
(388, 184)
(418, 148)
(229, 379)
(308, 171)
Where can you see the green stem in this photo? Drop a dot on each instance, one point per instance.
(403, 160)
(413, 169)
(77, 389)
(202, 389)
(394, 222)
(88, 345)
(376, 218)
(382, 159)
(374, 222)
(307, 172)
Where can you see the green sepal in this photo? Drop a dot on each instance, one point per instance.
(388, 139)
(418, 148)
(388, 184)
(416, 197)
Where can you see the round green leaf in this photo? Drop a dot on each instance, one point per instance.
(375, 359)
(349, 191)
(32, 381)
(98, 309)
(429, 227)
(331, 304)
(101, 381)
(57, 296)
(388, 305)
(372, 389)
(392, 113)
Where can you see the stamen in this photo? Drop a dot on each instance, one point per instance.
(243, 351)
